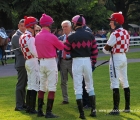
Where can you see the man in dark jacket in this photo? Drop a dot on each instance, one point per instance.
(81, 45)
(20, 67)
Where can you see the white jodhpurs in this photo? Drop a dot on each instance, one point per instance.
(48, 74)
(120, 64)
(32, 68)
(81, 67)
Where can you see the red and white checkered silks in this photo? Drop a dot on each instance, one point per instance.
(24, 47)
(122, 45)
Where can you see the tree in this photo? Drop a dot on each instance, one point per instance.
(94, 12)
(5, 14)
(97, 17)
(134, 8)
(58, 9)
(122, 5)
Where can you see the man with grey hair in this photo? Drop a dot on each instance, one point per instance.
(65, 61)
(20, 67)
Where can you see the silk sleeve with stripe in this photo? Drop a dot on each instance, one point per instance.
(67, 47)
(94, 52)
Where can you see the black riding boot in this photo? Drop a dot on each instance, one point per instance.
(49, 113)
(116, 101)
(40, 104)
(28, 101)
(127, 100)
(80, 108)
(93, 105)
(33, 102)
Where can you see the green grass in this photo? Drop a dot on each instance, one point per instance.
(133, 55)
(10, 60)
(130, 55)
(137, 46)
(70, 111)
(131, 47)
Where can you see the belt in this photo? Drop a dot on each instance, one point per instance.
(46, 58)
(67, 59)
(118, 52)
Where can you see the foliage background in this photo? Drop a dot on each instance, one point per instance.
(96, 12)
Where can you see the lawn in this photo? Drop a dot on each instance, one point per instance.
(137, 46)
(70, 111)
(129, 55)
(9, 61)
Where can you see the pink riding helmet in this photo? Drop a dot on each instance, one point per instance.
(45, 20)
(75, 19)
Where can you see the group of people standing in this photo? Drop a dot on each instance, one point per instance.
(77, 50)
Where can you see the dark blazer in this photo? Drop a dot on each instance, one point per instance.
(60, 51)
(19, 58)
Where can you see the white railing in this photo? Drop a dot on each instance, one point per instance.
(9, 54)
(134, 41)
(101, 42)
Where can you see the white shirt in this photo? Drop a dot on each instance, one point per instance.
(31, 44)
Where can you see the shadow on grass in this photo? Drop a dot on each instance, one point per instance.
(60, 110)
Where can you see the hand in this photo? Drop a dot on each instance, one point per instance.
(93, 68)
(64, 41)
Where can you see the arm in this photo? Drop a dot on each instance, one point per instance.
(67, 47)
(58, 43)
(110, 43)
(94, 52)
(15, 43)
(31, 46)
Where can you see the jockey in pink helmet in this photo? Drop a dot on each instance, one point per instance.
(46, 20)
(78, 20)
(46, 45)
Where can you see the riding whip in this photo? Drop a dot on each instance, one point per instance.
(113, 65)
(17, 48)
(102, 63)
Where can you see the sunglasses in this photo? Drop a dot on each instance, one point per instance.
(37, 30)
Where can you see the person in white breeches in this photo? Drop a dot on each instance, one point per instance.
(82, 47)
(50, 79)
(120, 64)
(46, 45)
(80, 68)
(27, 43)
(117, 46)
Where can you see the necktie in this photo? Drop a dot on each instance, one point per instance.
(64, 53)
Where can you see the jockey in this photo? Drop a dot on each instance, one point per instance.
(82, 47)
(27, 43)
(46, 45)
(117, 46)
